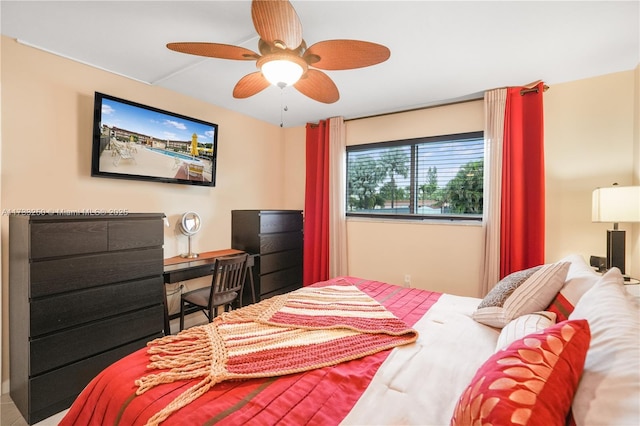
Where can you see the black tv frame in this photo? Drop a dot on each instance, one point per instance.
(122, 144)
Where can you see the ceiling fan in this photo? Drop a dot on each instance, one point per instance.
(284, 57)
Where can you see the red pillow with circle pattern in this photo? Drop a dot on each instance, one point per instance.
(531, 382)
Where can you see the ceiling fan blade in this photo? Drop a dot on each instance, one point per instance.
(345, 54)
(318, 86)
(277, 23)
(249, 85)
(214, 50)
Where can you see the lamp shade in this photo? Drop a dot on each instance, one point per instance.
(616, 204)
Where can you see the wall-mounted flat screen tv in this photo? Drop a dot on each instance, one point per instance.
(134, 141)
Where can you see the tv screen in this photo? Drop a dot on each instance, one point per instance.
(134, 141)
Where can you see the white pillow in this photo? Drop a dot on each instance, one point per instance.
(609, 390)
(523, 326)
(579, 266)
(580, 278)
(534, 294)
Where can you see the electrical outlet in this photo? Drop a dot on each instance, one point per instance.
(407, 280)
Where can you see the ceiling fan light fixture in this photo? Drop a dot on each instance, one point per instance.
(282, 71)
(284, 59)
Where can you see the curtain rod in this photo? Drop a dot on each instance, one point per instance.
(416, 109)
(477, 97)
(533, 89)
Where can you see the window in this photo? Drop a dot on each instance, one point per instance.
(433, 177)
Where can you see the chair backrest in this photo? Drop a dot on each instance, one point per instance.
(228, 276)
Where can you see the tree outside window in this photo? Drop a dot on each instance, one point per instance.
(436, 177)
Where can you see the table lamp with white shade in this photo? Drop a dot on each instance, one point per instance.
(616, 204)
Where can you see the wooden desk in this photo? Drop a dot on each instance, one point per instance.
(179, 268)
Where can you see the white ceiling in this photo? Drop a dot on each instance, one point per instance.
(441, 51)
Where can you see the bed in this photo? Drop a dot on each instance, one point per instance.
(562, 347)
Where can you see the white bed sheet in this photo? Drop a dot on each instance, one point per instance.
(420, 384)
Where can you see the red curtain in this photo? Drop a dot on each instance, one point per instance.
(316, 205)
(522, 207)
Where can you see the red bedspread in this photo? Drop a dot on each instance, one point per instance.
(323, 396)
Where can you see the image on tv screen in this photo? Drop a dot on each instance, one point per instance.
(135, 141)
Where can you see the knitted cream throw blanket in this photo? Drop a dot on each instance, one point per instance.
(309, 328)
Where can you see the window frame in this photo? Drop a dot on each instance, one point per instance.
(412, 142)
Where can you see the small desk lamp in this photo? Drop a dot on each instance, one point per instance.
(617, 204)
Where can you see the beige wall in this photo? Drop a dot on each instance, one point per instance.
(437, 256)
(591, 140)
(635, 238)
(591, 129)
(589, 143)
(47, 112)
(2, 291)
(294, 173)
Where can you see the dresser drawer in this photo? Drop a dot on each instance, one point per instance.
(280, 222)
(130, 234)
(54, 276)
(283, 278)
(52, 392)
(280, 260)
(270, 243)
(79, 307)
(281, 290)
(84, 291)
(50, 239)
(88, 340)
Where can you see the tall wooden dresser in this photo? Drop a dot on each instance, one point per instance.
(84, 290)
(276, 236)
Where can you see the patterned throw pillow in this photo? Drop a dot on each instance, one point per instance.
(534, 294)
(523, 326)
(531, 382)
(505, 287)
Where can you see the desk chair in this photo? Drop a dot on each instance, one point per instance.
(250, 263)
(228, 278)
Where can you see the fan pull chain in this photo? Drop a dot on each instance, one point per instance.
(281, 112)
(283, 107)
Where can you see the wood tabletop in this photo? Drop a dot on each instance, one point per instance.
(202, 256)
